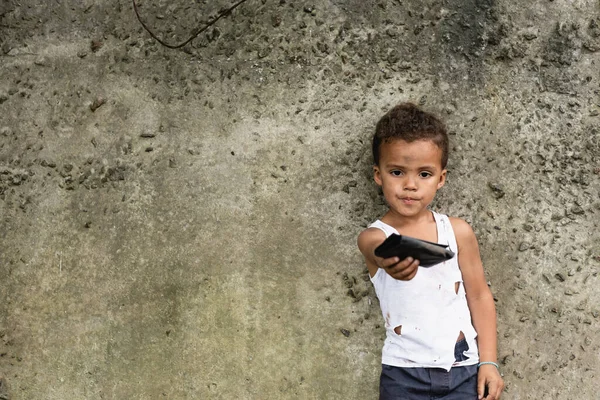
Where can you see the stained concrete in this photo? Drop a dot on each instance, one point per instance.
(182, 223)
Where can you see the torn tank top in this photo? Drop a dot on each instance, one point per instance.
(424, 316)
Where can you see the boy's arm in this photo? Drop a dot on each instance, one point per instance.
(481, 305)
(368, 240)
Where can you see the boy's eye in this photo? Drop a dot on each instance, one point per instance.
(396, 172)
(425, 174)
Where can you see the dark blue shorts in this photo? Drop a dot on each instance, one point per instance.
(460, 383)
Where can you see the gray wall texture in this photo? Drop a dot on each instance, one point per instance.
(182, 223)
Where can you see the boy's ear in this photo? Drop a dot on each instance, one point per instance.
(442, 179)
(377, 175)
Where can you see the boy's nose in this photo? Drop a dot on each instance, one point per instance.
(410, 184)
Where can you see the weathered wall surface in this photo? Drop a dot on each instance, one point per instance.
(181, 224)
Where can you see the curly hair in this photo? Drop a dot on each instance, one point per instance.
(408, 122)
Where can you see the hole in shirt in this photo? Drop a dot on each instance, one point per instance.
(456, 287)
(460, 348)
(398, 330)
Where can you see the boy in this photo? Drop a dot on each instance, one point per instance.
(441, 320)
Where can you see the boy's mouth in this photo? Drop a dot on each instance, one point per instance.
(408, 200)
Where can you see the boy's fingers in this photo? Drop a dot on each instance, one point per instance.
(413, 268)
(495, 389)
(409, 262)
(500, 390)
(390, 262)
(403, 263)
(413, 274)
(480, 387)
(405, 270)
(394, 264)
(409, 277)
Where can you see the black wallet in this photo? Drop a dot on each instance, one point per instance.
(428, 253)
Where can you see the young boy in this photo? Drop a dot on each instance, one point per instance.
(440, 321)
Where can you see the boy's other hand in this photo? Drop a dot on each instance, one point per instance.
(403, 270)
(489, 378)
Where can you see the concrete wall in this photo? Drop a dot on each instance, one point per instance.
(181, 223)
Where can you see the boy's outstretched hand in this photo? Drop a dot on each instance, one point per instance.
(403, 270)
(489, 377)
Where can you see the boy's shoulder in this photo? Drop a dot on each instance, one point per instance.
(462, 229)
(370, 234)
(459, 223)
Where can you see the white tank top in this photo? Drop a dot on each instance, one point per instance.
(427, 309)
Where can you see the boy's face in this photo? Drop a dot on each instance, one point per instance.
(410, 173)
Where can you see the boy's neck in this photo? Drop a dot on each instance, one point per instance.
(400, 221)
